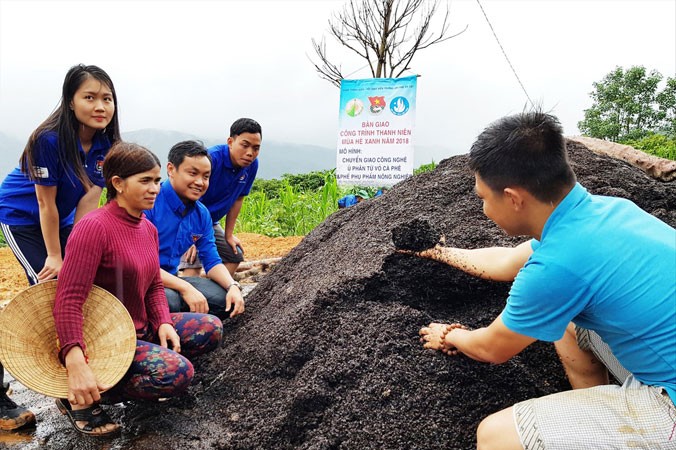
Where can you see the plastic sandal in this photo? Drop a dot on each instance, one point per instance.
(95, 417)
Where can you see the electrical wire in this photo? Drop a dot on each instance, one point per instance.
(505, 54)
(352, 73)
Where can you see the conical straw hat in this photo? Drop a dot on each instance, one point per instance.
(28, 341)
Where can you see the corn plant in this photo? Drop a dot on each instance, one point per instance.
(291, 212)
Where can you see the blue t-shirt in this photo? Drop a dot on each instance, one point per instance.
(180, 226)
(608, 266)
(18, 201)
(226, 183)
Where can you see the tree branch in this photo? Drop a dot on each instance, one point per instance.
(386, 33)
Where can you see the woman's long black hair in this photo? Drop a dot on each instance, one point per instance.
(65, 124)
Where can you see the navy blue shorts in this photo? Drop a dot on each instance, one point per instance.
(28, 246)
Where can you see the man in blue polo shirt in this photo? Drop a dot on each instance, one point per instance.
(597, 279)
(234, 167)
(182, 221)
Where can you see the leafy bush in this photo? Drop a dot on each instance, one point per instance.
(304, 182)
(361, 191)
(311, 181)
(655, 144)
(269, 187)
(425, 168)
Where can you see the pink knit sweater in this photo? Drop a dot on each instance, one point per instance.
(118, 252)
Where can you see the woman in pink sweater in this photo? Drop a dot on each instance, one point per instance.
(116, 248)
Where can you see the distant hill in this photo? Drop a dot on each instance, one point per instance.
(276, 158)
(10, 151)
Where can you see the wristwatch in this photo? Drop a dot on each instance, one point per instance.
(234, 283)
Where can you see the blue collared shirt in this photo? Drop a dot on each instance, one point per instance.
(179, 226)
(226, 183)
(18, 201)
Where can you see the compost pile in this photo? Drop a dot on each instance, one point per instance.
(327, 355)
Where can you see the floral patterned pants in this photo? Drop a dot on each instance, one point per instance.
(158, 372)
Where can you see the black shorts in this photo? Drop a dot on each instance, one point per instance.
(28, 246)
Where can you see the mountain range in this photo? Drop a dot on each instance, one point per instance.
(276, 157)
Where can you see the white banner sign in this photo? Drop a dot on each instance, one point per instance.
(375, 137)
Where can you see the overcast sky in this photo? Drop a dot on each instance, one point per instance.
(195, 66)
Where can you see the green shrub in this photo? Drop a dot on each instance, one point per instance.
(269, 187)
(362, 191)
(655, 144)
(311, 181)
(425, 168)
(303, 182)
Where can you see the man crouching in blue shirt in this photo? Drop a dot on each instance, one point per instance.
(596, 278)
(181, 221)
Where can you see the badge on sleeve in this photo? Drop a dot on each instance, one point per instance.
(41, 172)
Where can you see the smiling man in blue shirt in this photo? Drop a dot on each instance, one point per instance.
(234, 168)
(597, 279)
(182, 221)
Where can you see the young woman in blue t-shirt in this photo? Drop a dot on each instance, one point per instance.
(59, 179)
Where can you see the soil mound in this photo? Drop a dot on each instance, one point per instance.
(416, 235)
(327, 355)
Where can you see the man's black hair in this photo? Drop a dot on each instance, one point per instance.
(245, 125)
(527, 150)
(184, 149)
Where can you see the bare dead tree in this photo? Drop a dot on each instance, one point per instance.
(386, 33)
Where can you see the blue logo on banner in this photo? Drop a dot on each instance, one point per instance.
(399, 106)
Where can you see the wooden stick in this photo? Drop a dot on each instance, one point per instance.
(247, 273)
(246, 265)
